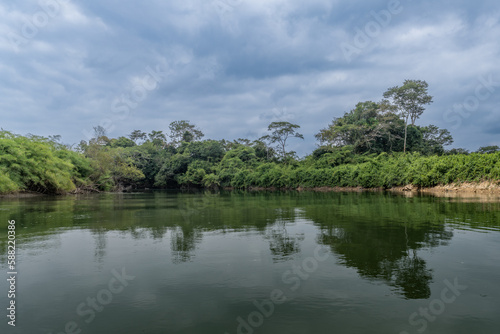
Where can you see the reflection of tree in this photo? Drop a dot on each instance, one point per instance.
(186, 234)
(157, 232)
(282, 245)
(412, 275)
(100, 244)
(190, 206)
(183, 243)
(385, 251)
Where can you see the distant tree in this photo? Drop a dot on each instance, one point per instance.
(137, 135)
(122, 142)
(55, 138)
(207, 150)
(454, 151)
(280, 133)
(183, 131)
(58, 144)
(157, 138)
(100, 137)
(488, 149)
(410, 99)
(243, 141)
(242, 152)
(187, 137)
(230, 145)
(82, 146)
(434, 139)
(262, 150)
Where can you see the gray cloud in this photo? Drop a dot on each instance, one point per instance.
(231, 67)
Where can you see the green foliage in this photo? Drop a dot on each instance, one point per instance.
(208, 150)
(137, 135)
(82, 166)
(211, 181)
(183, 131)
(362, 149)
(112, 167)
(280, 132)
(380, 171)
(456, 151)
(193, 177)
(6, 184)
(375, 128)
(148, 158)
(243, 153)
(489, 149)
(121, 142)
(367, 128)
(334, 156)
(410, 99)
(38, 164)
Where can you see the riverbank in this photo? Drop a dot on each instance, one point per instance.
(465, 189)
(486, 192)
(460, 190)
(483, 191)
(53, 169)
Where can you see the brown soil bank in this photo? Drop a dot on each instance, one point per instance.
(466, 187)
(482, 188)
(484, 191)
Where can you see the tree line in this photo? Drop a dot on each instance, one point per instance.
(376, 144)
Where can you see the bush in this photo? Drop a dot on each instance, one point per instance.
(35, 164)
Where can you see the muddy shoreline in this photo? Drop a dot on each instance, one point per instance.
(468, 189)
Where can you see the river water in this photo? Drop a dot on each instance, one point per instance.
(261, 262)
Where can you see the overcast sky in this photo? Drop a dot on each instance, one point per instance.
(233, 66)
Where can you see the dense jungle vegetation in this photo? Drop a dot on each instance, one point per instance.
(373, 145)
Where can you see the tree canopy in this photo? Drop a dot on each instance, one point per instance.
(280, 133)
(183, 131)
(410, 99)
(373, 128)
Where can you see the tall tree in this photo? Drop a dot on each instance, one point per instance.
(280, 132)
(137, 135)
(100, 137)
(183, 131)
(410, 99)
(158, 138)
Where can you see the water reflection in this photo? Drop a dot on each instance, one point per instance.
(183, 243)
(281, 244)
(381, 240)
(381, 236)
(100, 244)
(382, 257)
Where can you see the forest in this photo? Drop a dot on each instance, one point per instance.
(375, 145)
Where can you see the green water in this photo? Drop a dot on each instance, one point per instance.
(170, 262)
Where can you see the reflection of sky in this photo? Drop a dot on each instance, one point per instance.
(256, 62)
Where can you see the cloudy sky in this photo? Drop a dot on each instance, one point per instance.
(233, 66)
